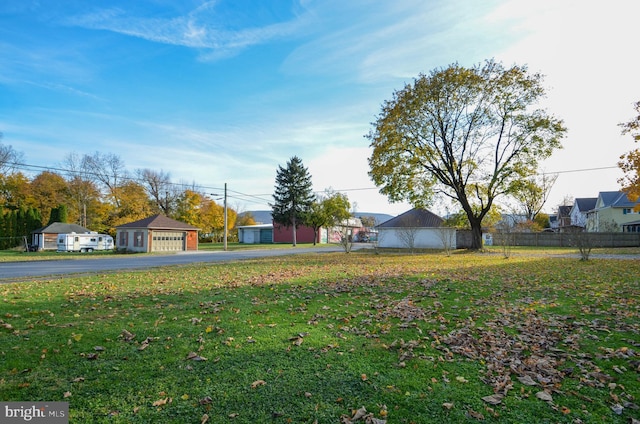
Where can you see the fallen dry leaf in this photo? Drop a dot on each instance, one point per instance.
(527, 380)
(258, 383)
(161, 402)
(447, 405)
(546, 396)
(195, 357)
(204, 419)
(66, 394)
(493, 399)
(127, 336)
(473, 414)
(359, 414)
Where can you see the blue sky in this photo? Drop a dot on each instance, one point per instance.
(224, 91)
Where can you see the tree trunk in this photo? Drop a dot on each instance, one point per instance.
(294, 235)
(476, 234)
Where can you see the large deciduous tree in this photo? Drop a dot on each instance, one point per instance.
(467, 133)
(630, 162)
(293, 196)
(328, 210)
(160, 189)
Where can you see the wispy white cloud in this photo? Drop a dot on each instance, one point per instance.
(394, 40)
(200, 29)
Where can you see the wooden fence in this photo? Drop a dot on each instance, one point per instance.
(566, 239)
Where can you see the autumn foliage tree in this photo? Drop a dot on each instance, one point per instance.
(97, 192)
(328, 210)
(467, 133)
(630, 162)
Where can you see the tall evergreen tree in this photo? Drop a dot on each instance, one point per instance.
(293, 196)
(62, 213)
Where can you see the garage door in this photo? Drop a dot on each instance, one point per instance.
(168, 241)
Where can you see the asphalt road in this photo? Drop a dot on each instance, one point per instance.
(19, 271)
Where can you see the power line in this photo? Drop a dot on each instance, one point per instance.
(250, 198)
(567, 171)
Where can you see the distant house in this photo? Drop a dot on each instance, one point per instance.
(579, 210)
(553, 222)
(46, 238)
(156, 233)
(613, 211)
(416, 228)
(563, 217)
(351, 228)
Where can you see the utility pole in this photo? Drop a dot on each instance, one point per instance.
(225, 216)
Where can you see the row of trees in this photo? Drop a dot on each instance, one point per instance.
(16, 224)
(97, 192)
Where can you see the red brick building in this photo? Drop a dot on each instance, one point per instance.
(282, 234)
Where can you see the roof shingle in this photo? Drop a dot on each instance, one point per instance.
(158, 222)
(416, 217)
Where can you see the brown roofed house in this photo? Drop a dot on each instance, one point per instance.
(157, 233)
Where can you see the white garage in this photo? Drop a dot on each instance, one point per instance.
(416, 229)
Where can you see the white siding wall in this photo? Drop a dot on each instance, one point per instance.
(425, 238)
(249, 235)
(131, 242)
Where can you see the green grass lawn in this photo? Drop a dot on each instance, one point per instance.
(313, 338)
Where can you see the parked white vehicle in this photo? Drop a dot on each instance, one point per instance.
(84, 242)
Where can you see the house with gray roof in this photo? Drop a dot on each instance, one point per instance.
(579, 210)
(417, 228)
(612, 212)
(46, 238)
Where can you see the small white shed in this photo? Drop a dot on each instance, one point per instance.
(255, 234)
(416, 228)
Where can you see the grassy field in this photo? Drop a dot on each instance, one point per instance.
(420, 338)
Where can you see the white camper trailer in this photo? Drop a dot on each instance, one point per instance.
(84, 242)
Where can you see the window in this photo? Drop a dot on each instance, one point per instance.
(138, 239)
(124, 237)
